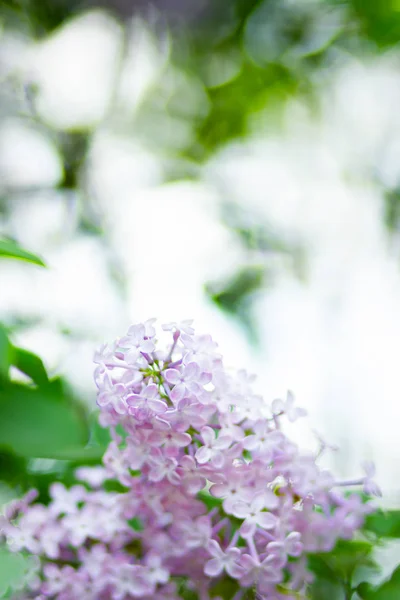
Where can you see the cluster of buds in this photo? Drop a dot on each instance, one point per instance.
(210, 498)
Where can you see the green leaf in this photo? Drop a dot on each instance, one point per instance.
(12, 570)
(136, 524)
(27, 362)
(5, 353)
(384, 523)
(389, 590)
(342, 561)
(10, 249)
(209, 500)
(43, 422)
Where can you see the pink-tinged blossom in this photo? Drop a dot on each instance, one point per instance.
(213, 447)
(156, 572)
(212, 487)
(223, 561)
(234, 490)
(254, 514)
(131, 580)
(370, 487)
(112, 395)
(192, 477)
(163, 466)
(291, 545)
(264, 440)
(184, 326)
(197, 533)
(94, 476)
(149, 399)
(136, 342)
(186, 382)
(259, 573)
(288, 408)
(66, 500)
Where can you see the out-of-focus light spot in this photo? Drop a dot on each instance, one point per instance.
(43, 220)
(145, 58)
(27, 157)
(118, 165)
(222, 68)
(75, 70)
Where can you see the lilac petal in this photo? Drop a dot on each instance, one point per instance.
(208, 435)
(241, 510)
(195, 485)
(278, 406)
(203, 455)
(218, 460)
(266, 520)
(134, 400)
(182, 439)
(174, 478)
(247, 529)
(157, 406)
(172, 376)
(222, 442)
(251, 442)
(178, 392)
(215, 549)
(147, 346)
(151, 391)
(191, 370)
(213, 567)
(219, 490)
(235, 570)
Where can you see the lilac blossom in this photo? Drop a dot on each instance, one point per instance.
(210, 486)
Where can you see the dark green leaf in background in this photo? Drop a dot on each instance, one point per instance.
(5, 353)
(29, 363)
(389, 590)
(43, 422)
(384, 524)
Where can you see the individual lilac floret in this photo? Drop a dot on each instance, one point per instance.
(208, 489)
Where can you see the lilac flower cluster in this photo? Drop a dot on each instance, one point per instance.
(212, 492)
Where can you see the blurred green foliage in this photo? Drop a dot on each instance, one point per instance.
(40, 418)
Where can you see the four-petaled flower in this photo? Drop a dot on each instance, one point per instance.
(213, 446)
(223, 561)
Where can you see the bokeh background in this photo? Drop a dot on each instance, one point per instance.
(236, 162)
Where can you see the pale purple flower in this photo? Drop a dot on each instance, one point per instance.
(263, 440)
(185, 326)
(112, 395)
(291, 545)
(213, 447)
(191, 475)
(223, 561)
(187, 381)
(197, 532)
(131, 580)
(370, 487)
(288, 408)
(163, 466)
(234, 490)
(156, 572)
(148, 399)
(136, 342)
(254, 514)
(66, 500)
(259, 573)
(195, 450)
(94, 476)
